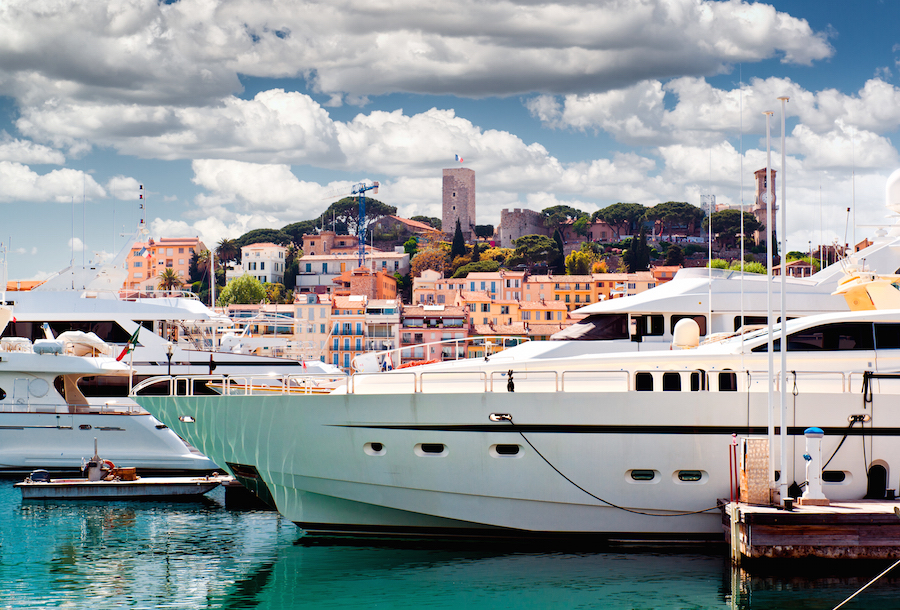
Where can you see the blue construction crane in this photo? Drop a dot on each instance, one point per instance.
(361, 189)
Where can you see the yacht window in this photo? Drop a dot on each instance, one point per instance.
(671, 382)
(887, 336)
(643, 382)
(728, 381)
(700, 320)
(651, 325)
(598, 327)
(749, 321)
(108, 331)
(698, 381)
(829, 337)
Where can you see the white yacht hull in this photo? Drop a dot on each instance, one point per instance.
(60, 441)
(314, 456)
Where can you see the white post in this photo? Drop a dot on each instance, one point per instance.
(771, 347)
(783, 487)
(813, 456)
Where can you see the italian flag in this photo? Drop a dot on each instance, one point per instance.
(132, 341)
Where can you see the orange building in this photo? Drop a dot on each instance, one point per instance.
(375, 285)
(148, 259)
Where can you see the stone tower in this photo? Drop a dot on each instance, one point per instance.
(759, 209)
(459, 201)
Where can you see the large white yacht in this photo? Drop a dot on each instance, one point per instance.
(89, 299)
(618, 445)
(47, 422)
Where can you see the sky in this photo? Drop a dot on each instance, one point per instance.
(244, 114)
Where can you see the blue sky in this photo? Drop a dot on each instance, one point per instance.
(244, 114)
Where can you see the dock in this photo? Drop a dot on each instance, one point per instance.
(862, 529)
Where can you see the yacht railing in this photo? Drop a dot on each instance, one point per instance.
(412, 381)
(192, 385)
(110, 407)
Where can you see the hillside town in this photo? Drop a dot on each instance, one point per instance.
(430, 289)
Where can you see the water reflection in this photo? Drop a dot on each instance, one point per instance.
(200, 555)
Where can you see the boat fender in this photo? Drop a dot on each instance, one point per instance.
(510, 385)
(107, 465)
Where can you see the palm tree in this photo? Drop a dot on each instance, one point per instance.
(168, 279)
(227, 250)
(203, 257)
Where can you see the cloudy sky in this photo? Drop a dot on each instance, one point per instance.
(241, 114)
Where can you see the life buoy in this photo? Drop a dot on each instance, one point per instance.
(107, 465)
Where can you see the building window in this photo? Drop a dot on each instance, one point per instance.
(138, 263)
(262, 266)
(138, 274)
(309, 267)
(504, 310)
(180, 250)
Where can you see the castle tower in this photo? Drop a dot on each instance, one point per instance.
(459, 201)
(759, 209)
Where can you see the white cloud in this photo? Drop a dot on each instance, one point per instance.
(75, 244)
(20, 183)
(24, 151)
(144, 52)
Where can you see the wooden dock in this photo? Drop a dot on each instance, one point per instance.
(864, 529)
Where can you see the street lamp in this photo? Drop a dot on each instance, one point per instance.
(170, 349)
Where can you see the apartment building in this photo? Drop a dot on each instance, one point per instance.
(348, 322)
(317, 272)
(425, 327)
(264, 261)
(148, 259)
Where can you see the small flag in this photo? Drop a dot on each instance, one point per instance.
(144, 252)
(132, 342)
(458, 158)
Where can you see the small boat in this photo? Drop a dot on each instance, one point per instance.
(103, 480)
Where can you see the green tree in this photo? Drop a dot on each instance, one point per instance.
(484, 231)
(475, 267)
(404, 286)
(557, 214)
(534, 249)
(674, 256)
(580, 226)
(227, 250)
(676, 214)
(558, 263)
(346, 212)
(617, 214)
(411, 246)
(276, 293)
(262, 236)
(578, 263)
(637, 257)
(718, 263)
(242, 290)
(291, 266)
(726, 225)
(168, 279)
(298, 229)
(748, 267)
(476, 252)
(458, 248)
(429, 220)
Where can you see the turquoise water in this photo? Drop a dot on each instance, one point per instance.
(201, 555)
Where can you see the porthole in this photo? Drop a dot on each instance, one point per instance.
(834, 476)
(374, 448)
(84, 427)
(505, 451)
(431, 449)
(642, 476)
(690, 476)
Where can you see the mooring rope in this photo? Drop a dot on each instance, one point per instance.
(508, 417)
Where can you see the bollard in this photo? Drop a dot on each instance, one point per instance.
(813, 496)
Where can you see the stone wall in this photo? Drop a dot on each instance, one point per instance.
(516, 223)
(458, 200)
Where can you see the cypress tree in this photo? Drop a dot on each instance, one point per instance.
(458, 247)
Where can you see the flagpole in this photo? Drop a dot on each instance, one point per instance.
(782, 384)
(770, 347)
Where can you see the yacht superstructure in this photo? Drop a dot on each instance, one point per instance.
(47, 422)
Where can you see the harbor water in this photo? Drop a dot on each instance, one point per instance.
(199, 554)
